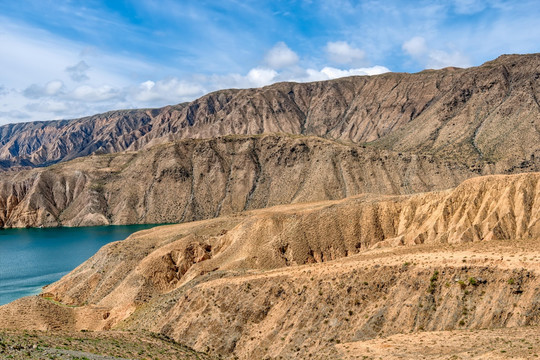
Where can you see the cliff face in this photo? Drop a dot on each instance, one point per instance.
(199, 179)
(426, 131)
(262, 283)
(485, 114)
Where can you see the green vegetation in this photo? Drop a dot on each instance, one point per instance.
(433, 282)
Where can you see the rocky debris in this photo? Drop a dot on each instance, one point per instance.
(92, 346)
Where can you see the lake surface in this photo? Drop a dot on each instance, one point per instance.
(32, 258)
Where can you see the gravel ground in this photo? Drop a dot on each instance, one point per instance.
(92, 346)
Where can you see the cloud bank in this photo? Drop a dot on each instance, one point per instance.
(418, 49)
(63, 60)
(341, 52)
(77, 81)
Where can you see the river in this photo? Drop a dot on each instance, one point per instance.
(32, 258)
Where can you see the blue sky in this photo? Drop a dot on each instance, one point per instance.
(65, 59)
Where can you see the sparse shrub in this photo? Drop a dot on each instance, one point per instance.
(473, 281)
(97, 187)
(433, 282)
(511, 281)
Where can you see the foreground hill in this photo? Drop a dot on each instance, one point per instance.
(200, 179)
(502, 343)
(325, 279)
(110, 345)
(484, 115)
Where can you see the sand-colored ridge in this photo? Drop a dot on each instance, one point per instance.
(294, 279)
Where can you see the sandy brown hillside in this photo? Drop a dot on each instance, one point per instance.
(484, 114)
(200, 179)
(315, 280)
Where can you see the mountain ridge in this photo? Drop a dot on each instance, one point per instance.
(262, 283)
(199, 179)
(425, 111)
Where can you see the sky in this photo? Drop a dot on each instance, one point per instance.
(62, 59)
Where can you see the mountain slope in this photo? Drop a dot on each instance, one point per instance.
(488, 114)
(200, 179)
(263, 283)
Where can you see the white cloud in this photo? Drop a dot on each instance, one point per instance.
(96, 94)
(44, 81)
(439, 59)
(417, 48)
(280, 56)
(170, 90)
(78, 71)
(36, 56)
(328, 73)
(14, 114)
(48, 106)
(51, 88)
(334, 73)
(341, 52)
(261, 76)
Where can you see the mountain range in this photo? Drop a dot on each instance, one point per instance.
(362, 217)
(487, 114)
(236, 150)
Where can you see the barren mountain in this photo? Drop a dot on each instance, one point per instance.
(199, 179)
(324, 279)
(486, 114)
(338, 219)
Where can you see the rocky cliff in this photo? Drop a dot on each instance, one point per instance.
(312, 280)
(199, 179)
(487, 114)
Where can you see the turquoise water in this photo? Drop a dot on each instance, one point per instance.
(32, 258)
